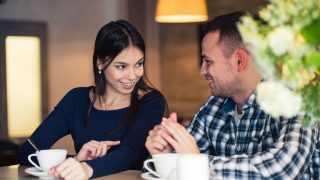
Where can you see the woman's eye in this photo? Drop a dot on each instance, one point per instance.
(140, 64)
(120, 67)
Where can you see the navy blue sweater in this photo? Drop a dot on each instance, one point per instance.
(68, 118)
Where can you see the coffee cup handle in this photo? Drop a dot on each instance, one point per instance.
(33, 163)
(146, 165)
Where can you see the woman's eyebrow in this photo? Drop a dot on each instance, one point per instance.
(119, 62)
(140, 60)
(124, 63)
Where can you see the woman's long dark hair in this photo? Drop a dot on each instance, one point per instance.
(111, 40)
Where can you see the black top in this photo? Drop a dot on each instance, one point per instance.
(69, 115)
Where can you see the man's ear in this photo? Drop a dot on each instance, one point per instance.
(243, 59)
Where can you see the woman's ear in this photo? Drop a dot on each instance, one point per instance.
(243, 59)
(99, 64)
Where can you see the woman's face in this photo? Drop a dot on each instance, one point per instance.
(124, 71)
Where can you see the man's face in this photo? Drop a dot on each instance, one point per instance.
(217, 69)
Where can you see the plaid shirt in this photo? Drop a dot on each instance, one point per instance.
(260, 147)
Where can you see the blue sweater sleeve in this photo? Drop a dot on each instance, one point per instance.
(54, 127)
(132, 152)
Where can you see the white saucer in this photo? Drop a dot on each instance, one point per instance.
(148, 176)
(36, 172)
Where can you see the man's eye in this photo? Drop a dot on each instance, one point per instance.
(206, 62)
(209, 62)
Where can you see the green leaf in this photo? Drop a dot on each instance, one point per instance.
(313, 59)
(306, 122)
(311, 33)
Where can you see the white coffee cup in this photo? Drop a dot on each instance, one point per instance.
(193, 166)
(165, 165)
(48, 158)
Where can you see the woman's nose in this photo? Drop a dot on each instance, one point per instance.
(131, 74)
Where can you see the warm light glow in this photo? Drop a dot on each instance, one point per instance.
(23, 85)
(181, 11)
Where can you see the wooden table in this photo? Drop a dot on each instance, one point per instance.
(16, 172)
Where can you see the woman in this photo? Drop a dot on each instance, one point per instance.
(109, 122)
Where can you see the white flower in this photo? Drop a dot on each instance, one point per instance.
(277, 100)
(281, 40)
(285, 46)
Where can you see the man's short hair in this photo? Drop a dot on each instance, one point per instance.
(226, 25)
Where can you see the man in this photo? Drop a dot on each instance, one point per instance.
(246, 142)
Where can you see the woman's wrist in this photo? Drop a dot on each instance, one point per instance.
(87, 169)
(76, 157)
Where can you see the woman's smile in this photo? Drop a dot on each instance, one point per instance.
(129, 85)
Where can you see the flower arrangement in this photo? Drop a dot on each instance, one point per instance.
(285, 44)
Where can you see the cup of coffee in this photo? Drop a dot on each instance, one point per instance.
(193, 166)
(48, 158)
(165, 165)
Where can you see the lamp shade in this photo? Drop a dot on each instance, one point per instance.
(181, 11)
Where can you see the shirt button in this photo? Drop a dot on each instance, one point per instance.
(238, 148)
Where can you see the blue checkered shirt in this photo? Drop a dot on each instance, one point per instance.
(259, 147)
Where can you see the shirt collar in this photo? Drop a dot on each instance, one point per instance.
(228, 105)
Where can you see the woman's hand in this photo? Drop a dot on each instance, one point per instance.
(169, 136)
(179, 138)
(95, 149)
(155, 142)
(71, 169)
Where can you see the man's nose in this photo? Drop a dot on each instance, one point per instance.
(203, 69)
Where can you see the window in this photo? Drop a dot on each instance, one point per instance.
(23, 97)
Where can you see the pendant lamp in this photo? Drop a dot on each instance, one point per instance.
(181, 11)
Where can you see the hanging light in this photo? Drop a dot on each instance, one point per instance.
(181, 11)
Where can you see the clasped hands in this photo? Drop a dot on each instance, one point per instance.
(73, 168)
(170, 136)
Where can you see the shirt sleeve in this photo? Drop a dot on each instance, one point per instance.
(131, 151)
(54, 127)
(287, 160)
(197, 128)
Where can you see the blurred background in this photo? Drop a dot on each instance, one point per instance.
(67, 31)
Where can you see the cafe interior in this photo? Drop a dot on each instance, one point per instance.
(46, 50)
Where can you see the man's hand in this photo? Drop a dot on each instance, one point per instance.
(95, 149)
(155, 142)
(178, 137)
(169, 136)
